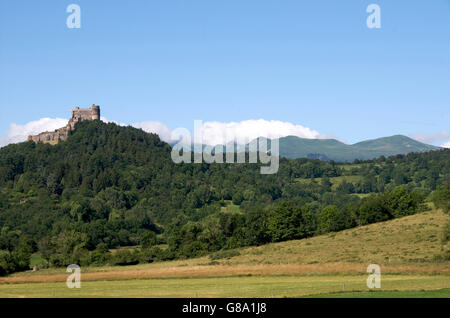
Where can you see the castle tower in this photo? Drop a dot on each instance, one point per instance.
(95, 112)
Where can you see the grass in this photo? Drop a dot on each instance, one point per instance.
(230, 207)
(439, 293)
(36, 260)
(362, 195)
(411, 240)
(322, 265)
(335, 181)
(229, 287)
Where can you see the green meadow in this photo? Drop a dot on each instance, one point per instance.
(235, 286)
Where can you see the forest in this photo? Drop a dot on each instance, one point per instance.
(112, 195)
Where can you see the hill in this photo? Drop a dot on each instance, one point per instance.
(314, 266)
(404, 245)
(410, 240)
(108, 187)
(295, 147)
(393, 145)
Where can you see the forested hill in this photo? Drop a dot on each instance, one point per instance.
(294, 147)
(109, 186)
(331, 149)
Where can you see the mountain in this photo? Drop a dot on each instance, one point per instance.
(293, 147)
(394, 145)
(331, 149)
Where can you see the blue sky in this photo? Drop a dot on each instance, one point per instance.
(310, 63)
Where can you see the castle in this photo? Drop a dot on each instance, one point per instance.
(78, 115)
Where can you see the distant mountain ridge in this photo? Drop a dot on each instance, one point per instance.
(293, 147)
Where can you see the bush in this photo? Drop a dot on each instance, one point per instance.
(373, 209)
(66, 248)
(152, 254)
(287, 221)
(237, 198)
(125, 257)
(14, 261)
(446, 233)
(441, 197)
(224, 254)
(445, 256)
(100, 256)
(331, 220)
(147, 239)
(7, 264)
(394, 204)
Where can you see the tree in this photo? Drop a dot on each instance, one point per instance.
(147, 239)
(345, 187)
(331, 220)
(237, 198)
(286, 221)
(401, 203)
(441, 197)
(67, 248)
(326, 184)
(374, 209)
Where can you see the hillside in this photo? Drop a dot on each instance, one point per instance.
(327, 265)
(416, 238)
(411, 240)
(107, 187)
(394, 145)
(295, 147)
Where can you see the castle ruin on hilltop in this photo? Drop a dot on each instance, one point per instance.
(78, 115)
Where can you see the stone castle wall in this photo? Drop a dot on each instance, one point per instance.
(78, 115)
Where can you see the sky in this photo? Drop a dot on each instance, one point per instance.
(307, 68)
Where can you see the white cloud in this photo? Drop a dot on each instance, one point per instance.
(431, 138)
(156, 127)
(19, 133)
(215, 133)
(446, 145)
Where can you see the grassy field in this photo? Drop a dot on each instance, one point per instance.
(335, 181)
(230, 207)
(323, 265)
(440, 293)
(234, 286)
(408, 241)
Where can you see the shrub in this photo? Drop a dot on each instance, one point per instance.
(445, 256)
(446, 233)
(125, 257)
(441, 197)
(147, 239)
(224, 254)
(331, 219)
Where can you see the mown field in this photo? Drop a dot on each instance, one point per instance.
(332, 265)
(440, 293)
(233, 286)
